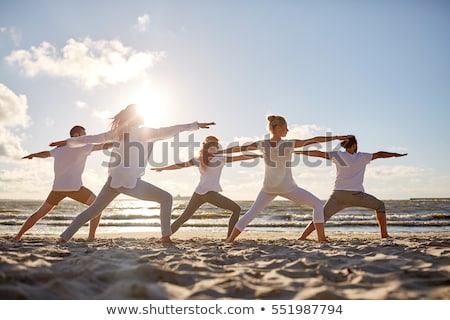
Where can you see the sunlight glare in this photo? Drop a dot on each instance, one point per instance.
(152, 105)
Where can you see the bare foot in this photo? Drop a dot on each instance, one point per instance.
(61, 240)
(166, 240)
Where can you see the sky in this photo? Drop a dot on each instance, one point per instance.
(377, 69)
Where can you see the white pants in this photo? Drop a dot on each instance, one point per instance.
(297, 195)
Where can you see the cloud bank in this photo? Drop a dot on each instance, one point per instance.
(87, 63)
(13, 115)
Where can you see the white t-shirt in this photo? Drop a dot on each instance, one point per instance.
(278, 162)
(210, 177)
(129, 156)
(350, 169)
(68, 167)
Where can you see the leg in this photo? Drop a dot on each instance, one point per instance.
(300, 195)
(194, 203)
(149, 192)
(364, 200)
(34, 218)
(261, 202)
(223, 202)
(381, 218)
(106, 195)
(307, 231)
(87, 197)
(332, 206)
(93, 224)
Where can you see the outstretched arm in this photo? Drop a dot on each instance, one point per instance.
(384, 154)
(84, 140)
(176, 166)
(42, 154)
(320, 139)
(243, 157)
(102, 146)
(247, 147)
(152, 134)
(60, 143)
(314, 153)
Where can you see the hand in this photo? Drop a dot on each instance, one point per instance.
(401, 154)
(30, 156)
(157, 169)
(61, 143)
(205, 125)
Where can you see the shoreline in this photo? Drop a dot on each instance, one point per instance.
(201, 266)
(184, 235)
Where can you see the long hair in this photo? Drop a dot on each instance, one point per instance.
(275, 121)
(204, 155)
(126, 118)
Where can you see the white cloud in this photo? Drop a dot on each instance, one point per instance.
(87, 63)
(10, 145)
(13, 34)
(13, 115)
(30, 179)
(305, 131)
(49, 122)
(384, 172)
(13, 108)
(81, 104)
(100, 114)
(143, 22)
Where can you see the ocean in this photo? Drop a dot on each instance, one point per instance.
(130, 215)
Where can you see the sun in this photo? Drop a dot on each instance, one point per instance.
(152, 104)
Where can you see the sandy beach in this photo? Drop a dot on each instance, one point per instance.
(202, 266)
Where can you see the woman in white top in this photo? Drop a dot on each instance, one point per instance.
(278, 180)
(132, 145)
(207, 191)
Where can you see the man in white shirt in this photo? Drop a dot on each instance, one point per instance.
(68, 168)
(348, 188)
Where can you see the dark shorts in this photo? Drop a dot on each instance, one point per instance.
(81, 195)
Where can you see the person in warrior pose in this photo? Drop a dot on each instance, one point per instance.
(348, 187)
(132, 145)
(278, 180)
(208, 189)
(68, 167)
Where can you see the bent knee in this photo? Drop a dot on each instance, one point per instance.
(236, 210)
(380, 208)
(165, 197)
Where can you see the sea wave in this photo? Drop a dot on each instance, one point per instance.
(404, 215)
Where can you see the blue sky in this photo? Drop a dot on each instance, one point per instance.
(376, 69)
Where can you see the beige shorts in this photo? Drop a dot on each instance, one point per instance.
(81, 195)
(340, 199)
